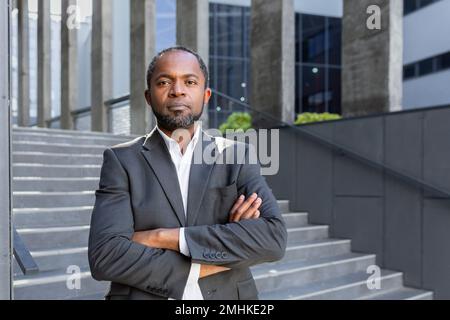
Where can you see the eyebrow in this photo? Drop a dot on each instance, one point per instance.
(166, 75)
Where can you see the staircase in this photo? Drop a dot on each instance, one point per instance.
(55, 175)
(321, 268)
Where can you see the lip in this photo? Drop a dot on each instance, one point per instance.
(177, 107)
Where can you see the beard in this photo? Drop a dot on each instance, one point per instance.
(180, 121)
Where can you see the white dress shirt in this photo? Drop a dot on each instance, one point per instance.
(182, 164)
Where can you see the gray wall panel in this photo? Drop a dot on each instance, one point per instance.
(283, 184)
(402, 235)
(407, 228)
(314, 178)
(361, 220)
(364, 136)
(436, 247)
(437, 148)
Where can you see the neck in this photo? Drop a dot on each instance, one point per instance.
(181, 142)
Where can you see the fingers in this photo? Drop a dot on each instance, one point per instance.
(244, 207)
(240, 209)
(237, 204)
(252, 210)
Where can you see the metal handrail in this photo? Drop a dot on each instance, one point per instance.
(23, 256)
(109, 103)
(341, 149)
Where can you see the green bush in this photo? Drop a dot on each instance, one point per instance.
(309, 117)
(237, 120)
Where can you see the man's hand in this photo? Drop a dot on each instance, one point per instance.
(158, 238)
(169, 238)
(245, 209)
(241, 210)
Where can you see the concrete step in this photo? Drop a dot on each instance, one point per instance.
(53, 285)
(76, 133)
(350, 286)
(57, 259)
(56, 158)
(54, 184)
(53, 170)
(403, 293)
(67, 138)
(306, 233)
(316, 249)
(31, 199)
(295, 219)
(284, 206)
(56, 217)
(95, 296)
(64, 148)
(299, 273)
(52, 217)
(55, 238)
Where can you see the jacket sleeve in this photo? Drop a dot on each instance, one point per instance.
(113, 256)
(247, 242)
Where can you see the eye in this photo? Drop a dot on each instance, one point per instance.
(191, 82)
(162, 82)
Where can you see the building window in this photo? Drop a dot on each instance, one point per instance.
(414, 5)
(317, 57)
(318, 60)
(427, 66)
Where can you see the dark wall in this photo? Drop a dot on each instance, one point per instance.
(408, 228)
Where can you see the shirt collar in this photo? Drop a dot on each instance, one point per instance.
(172, 143)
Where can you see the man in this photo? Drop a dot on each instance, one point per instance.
(165, 227)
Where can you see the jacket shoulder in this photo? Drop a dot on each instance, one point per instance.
(129, 146)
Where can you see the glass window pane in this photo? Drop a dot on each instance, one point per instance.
(334, 36)
(313, 38)
(426, 67)
(334, 90)
(313, 98)
(409, 71)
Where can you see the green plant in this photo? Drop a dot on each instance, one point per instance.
(237, 120)
(309, 117)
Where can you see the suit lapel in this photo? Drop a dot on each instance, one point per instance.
(158, 157)
(199, 177)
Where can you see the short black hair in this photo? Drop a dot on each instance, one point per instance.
(151, 67)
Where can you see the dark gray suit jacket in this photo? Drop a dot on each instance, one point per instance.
(139, 190)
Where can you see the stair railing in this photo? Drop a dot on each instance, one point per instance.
(342, 150)
(23, 256)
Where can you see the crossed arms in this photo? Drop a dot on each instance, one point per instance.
(152, 263)
(169, 238)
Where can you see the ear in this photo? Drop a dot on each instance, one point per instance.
(207, 95)
(148, 97)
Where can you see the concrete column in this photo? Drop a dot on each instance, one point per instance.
(101, 59)
(272, 62)
(23, 119)
(5, 156)
(142, 49)
(69, 65)
(193, 32)
(44, 68)
(372, 59)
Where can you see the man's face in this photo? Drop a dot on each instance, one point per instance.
(177, 92)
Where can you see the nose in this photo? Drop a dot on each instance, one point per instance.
(177, 89)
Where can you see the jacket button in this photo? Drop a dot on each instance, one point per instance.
(206, 254)
(218, 255)
(224, 255)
